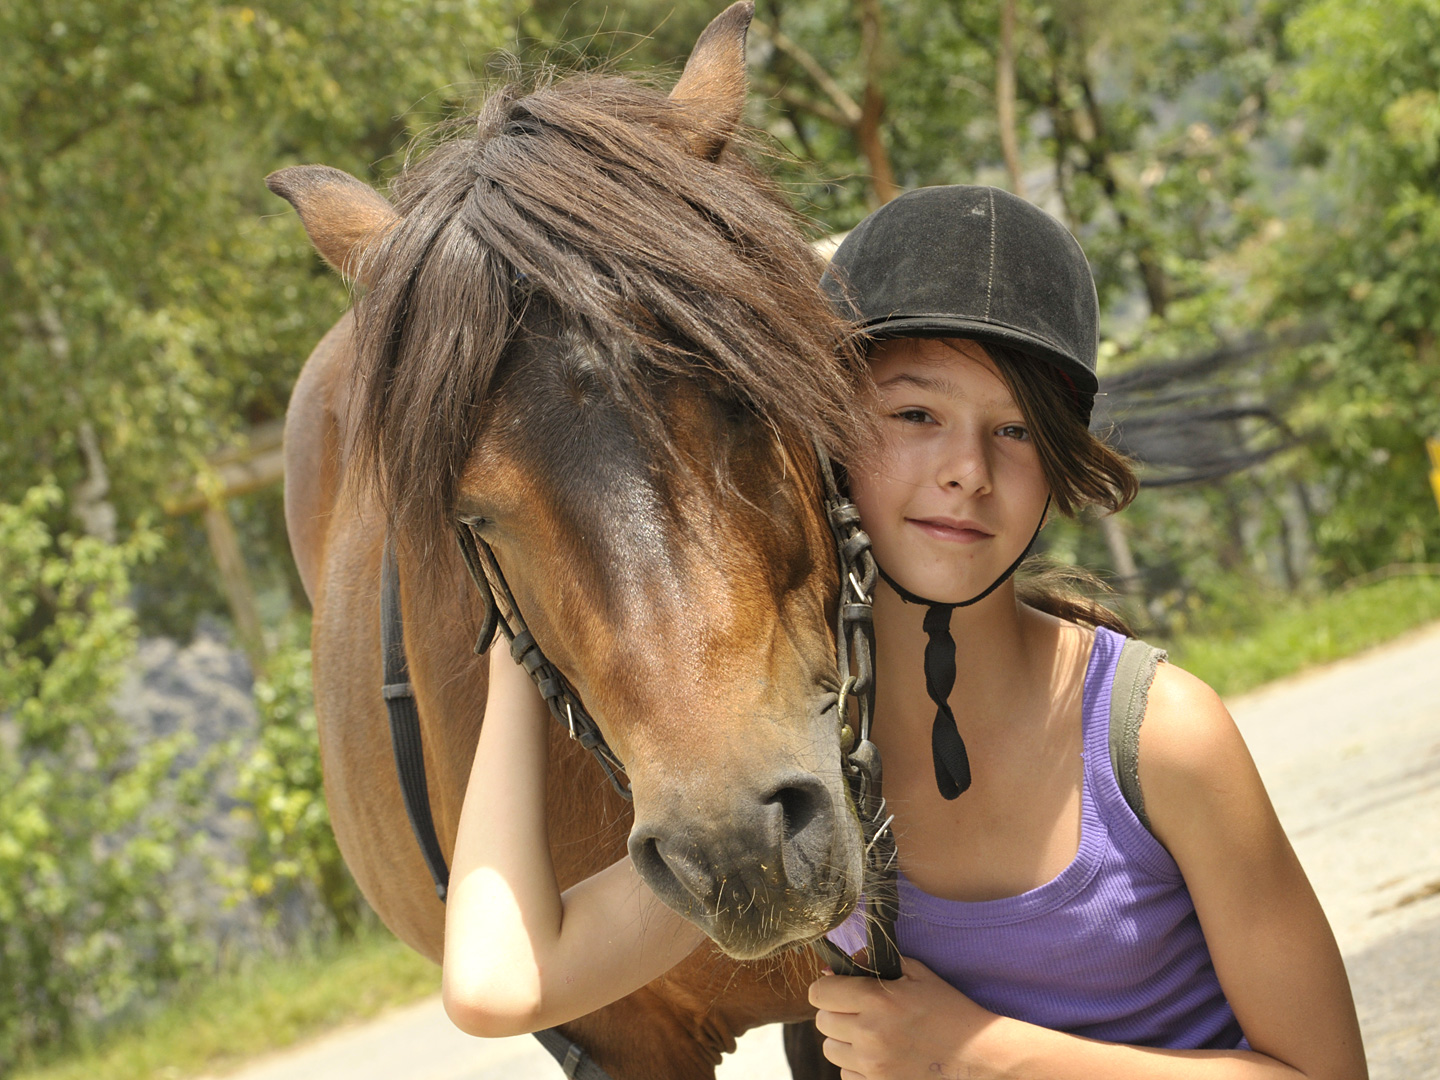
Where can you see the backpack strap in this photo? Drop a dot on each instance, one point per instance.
(1133, 675)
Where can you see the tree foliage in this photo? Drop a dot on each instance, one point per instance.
(157, 300)
(293, 858)
(155, 291)
(1233, 168)
(94, 825)
(1361, 251)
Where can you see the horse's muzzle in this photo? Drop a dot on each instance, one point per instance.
(758, 870)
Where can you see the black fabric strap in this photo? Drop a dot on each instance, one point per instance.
(405, 723)
(572, 1057)
(952, 763)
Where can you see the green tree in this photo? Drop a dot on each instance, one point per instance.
(1361, 253)
(293, 853)
(158, 298)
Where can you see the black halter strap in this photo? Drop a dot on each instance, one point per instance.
(952, 763)
(405, 723)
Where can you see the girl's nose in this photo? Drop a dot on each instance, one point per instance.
(965, 466)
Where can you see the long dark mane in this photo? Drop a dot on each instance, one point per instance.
(584, 192)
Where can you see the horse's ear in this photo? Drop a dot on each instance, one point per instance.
(342, 215)
(714, 82)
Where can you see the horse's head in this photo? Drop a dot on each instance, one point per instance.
(594, 332)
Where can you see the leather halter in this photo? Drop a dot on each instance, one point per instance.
(855, 656)
(565, 704)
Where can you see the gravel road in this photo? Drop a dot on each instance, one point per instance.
(1351, 756)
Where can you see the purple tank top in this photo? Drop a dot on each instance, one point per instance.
(1110, 949)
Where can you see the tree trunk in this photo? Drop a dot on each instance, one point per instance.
(1005, 98)
(1128, 582)
(872, 107)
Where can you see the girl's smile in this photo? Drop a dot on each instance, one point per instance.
(959, 532)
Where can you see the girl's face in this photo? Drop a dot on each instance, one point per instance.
(954, 490)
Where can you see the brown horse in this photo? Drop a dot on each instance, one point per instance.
(590, 329)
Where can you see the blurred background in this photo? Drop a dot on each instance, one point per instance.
(1255, 182)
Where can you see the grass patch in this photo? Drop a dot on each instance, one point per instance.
(232, 1018)
(1300, 634)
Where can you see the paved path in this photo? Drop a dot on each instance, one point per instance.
(1351, 755)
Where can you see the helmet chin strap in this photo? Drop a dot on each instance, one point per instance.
(952, 763)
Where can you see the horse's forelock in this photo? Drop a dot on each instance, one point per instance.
(583, 192)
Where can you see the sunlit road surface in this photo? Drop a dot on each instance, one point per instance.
(1351, 755)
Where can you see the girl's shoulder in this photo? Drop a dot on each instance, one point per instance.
(1195, 768)
(1186, 724)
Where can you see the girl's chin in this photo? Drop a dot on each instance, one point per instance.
(946, 589)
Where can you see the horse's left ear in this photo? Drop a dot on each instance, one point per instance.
(714, 82)
(342, 215)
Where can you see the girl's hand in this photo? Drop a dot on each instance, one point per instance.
(916, 1026)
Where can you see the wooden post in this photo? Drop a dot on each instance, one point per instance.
(257, 462)
(1127, 574)
(225, 546)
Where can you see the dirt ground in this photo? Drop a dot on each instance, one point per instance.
(1351, 756)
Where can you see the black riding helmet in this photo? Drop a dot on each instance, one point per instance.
(977, 263)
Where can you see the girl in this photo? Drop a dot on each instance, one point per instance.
(1063, 912)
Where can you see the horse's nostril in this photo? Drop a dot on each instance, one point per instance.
(645, 855)
(677, 880)
(806, 819)
(799, 806)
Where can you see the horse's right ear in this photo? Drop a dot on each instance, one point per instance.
(714, 82)
(342, 215)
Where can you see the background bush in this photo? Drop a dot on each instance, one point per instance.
(93, 825)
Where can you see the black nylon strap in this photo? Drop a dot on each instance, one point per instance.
(573, 1059)
(405, 722)
(952, 763)
(947, 748)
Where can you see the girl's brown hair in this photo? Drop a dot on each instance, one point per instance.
(1080, 469)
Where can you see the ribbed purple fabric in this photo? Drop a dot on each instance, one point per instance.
(1110, 949)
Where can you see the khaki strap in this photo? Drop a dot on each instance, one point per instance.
(1133, 676)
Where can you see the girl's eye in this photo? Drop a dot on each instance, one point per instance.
(914, 416)
(1014, 431)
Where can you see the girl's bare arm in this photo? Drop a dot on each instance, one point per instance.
(519, 955)
(1272, 946)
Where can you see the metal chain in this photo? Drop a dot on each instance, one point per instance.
(855, 651)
